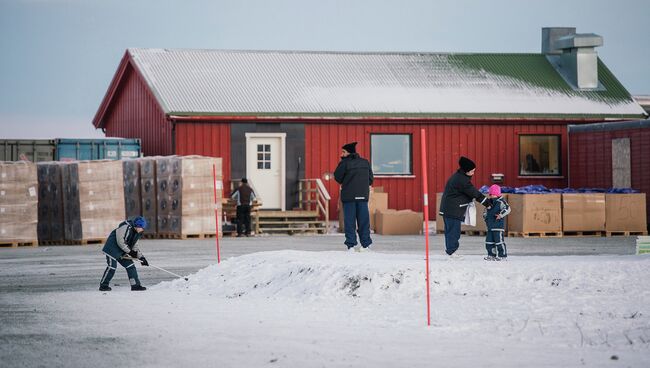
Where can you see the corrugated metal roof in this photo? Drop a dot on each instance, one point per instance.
(220, 82)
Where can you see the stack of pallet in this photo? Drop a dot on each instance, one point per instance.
(18, 204)
(185, 196)
(131, 176)
(93, 198)
(148, 194)
(50, 203)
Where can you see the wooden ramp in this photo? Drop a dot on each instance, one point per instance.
(291, 222)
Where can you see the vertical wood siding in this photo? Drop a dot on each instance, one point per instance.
(135, 113)
(494, 148)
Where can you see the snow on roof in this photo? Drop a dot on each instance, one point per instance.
(205, 82)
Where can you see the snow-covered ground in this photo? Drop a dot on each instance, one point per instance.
(337, 309)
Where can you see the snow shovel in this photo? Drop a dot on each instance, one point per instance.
(160, 268)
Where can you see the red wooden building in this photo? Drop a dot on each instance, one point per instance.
(611, 155)
(280, 116)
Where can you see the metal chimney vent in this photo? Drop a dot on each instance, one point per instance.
(573, 55)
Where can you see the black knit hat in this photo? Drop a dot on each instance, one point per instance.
(350, 147)
(466, 164)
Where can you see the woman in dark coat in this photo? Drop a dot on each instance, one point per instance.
(459, 193)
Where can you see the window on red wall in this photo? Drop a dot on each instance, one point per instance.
(390, 154)
(540, 155)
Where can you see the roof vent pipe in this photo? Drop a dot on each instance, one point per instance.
(578, 59)
(552, 34)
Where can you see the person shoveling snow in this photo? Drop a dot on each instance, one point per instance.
(122, 246)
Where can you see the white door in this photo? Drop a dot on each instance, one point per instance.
(265, 162)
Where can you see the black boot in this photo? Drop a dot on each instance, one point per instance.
(138, 288)
(104, 288)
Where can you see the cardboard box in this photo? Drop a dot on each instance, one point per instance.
(18, 201)
(377, 201)
(583, 212)
(404, 222)
(531, 213)
(626, 212)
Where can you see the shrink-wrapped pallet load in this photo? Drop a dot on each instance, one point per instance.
(93, 199)
(50, 203)
(148, 194)
(18, 203)
(132, 198)
(185, 195)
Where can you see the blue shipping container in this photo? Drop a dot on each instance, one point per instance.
(96, 149)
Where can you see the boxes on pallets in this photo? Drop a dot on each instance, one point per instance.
(535, 213)
(404, 222)
(377, 201)
(50, 202)
(583, 212)
(626, 212)
(148, 194)
(132, 198)
(93, 199)
(185, 195)
(18, 203)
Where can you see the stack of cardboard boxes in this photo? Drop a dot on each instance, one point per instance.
(387, 221)
(186, 195)
(626, 213)
(18, 203)
(50, 203)
(93, 199)
(132, 187)
(148, 194)
(583, 212)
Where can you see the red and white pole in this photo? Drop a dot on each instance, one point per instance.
(425, 190)
(216, 210)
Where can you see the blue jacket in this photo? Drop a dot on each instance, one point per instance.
(499, 207)
(122, 240)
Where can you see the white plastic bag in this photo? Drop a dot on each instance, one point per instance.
(470, 214)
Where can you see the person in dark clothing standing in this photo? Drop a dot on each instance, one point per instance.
(355, 176)
(245, 197)
(459, 193)
(121, 247)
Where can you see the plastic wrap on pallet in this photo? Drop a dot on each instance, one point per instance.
(93, 198)
(50, 202)
(18, 202)
(185, 203)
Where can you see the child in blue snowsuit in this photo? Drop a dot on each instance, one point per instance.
(495, 223)
(121, 247)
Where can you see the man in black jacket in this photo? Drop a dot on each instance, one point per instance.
(244, 195)
(355, 176)
(459, 193)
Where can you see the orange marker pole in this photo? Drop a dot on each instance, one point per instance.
(216, 210)
(425, 190)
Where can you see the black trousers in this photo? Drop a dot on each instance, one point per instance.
(244, 219)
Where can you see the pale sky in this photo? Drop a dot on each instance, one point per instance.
(57, 57)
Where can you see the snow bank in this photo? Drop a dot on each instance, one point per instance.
(380, 277)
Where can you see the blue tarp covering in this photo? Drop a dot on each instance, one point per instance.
(540, 189)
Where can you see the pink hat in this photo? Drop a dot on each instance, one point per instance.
(494, 190)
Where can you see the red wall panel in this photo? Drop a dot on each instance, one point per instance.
(591, 159)
(494, 148)
(207, 139)
(135, 113)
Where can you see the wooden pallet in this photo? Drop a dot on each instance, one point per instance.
(51, 242)
(626, 233)
(18, 243)
(186, 236)
(85, 241)
(579, 234)
(538, 234)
